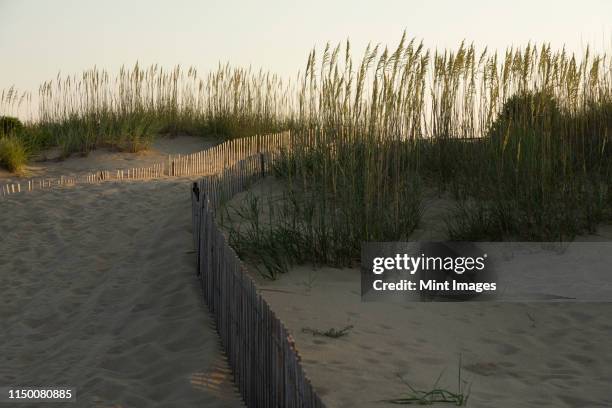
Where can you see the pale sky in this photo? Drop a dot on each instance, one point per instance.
(40, 38)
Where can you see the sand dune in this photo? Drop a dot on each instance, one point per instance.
(97, 291)
(513, 355)
(107, 159)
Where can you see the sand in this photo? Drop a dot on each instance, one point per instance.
(512, 354)
(98, 292)
(48, 164)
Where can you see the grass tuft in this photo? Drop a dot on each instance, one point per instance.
(13, 153)
(434, 396)
(332, 333)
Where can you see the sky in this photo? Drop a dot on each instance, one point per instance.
(40, 38)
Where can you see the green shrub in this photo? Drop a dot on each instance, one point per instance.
(13, 153)
(9, 124)
(525, 113)
(542, 174)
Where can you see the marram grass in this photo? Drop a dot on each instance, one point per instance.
(82, 112)
(521, 139)
(13, 153)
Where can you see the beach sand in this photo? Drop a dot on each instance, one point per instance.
(48, 164)
(98, 292)
(511, 354)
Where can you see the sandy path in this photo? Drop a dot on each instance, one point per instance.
(105, 159)
(97, 291)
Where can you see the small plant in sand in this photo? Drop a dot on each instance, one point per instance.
(332, 333)
(434, 396)
(310, 281)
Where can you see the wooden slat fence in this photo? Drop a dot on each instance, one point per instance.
(210, 161)
(265, 362)
(224, 155)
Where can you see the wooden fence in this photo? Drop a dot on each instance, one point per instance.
(260, 350)
(210, 161)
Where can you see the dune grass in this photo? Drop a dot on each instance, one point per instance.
(126, 111)
(521, 141)
(331, 333)
(13, 150)
(9, 125)
(13, 153)
(542, 177)
(434, 396)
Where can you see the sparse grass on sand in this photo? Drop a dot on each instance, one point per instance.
(332, 333)
(434, 396)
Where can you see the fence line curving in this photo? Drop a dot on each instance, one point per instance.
(260, 350)
(209, 161)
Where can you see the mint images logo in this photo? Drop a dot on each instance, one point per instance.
(425, 271)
